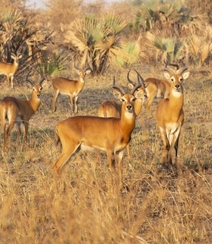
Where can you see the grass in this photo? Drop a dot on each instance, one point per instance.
(85, 208)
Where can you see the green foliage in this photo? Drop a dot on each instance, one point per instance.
(98, 40)
(131, 49)
(169, 49)
(52, 66)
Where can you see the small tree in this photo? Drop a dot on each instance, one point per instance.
(98, 41)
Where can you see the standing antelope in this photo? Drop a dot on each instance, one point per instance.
(170, 115)
(9, 69)
(157, 88)
(109, 134)
(111, 108)
(69, 87)
(19, 111)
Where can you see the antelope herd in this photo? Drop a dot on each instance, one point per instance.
(111, 130)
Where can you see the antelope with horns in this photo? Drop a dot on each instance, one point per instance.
(170, 115)
(19, 111)
(69, 87)
(9, 69)
(157, 88)
(109, 134)
(111, 108)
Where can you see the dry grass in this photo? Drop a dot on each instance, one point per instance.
(85, 208)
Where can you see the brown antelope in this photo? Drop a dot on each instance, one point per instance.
(109, 134)
(69, 87)
(19, 111)
(9, 69)
(111, 108)
(170, 115)
(157, 88)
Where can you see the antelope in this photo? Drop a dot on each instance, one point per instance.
(69, 87)
(156, 88)
(92, 132)
(159, 88)
(9, 69)
(170, 115)
(111, 108)
(19, 111)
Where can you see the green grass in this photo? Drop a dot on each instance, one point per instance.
(85, 207)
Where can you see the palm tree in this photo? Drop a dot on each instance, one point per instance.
(166, 49)
(98, 41)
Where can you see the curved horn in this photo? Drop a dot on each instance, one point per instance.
(180, 71)
(42, 80)
(128, 78)
(135, 88)
(140, 78)
(27, 78)
(168, 69)
(117, 88)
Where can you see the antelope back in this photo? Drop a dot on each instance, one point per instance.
(109, 109)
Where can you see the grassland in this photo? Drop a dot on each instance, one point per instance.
(158, 208)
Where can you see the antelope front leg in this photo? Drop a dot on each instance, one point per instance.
(75, 104)
(54, 100)
(11, 81)
(72, 104)
(166, 147)
(26, 127)
(176, 142)
(120, 167)
(111, 163)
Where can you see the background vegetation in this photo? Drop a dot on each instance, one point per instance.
(110, 38)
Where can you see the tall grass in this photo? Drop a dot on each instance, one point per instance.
(85, 207)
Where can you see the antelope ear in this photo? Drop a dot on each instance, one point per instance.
(78, 71)
(186, 75)
(117, 94)
(88, 71)
(130, 85)
(167, 75)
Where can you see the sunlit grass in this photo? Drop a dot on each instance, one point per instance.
(85, 207)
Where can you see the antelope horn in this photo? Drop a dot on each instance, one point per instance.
(117, 88)
(27, 78)
(180, 71)
(128, 78)
(140, 78)
(171, 64)
(42, 80)
(175, 65)
(135, 88)
(168, 69)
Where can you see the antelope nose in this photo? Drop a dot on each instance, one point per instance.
(129, 107)
(177, 86)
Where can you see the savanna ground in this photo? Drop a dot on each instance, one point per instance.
(156, 209)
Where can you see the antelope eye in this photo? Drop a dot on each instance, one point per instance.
(172, 79)
(181, 79)
(133, 99)
(122, 100)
